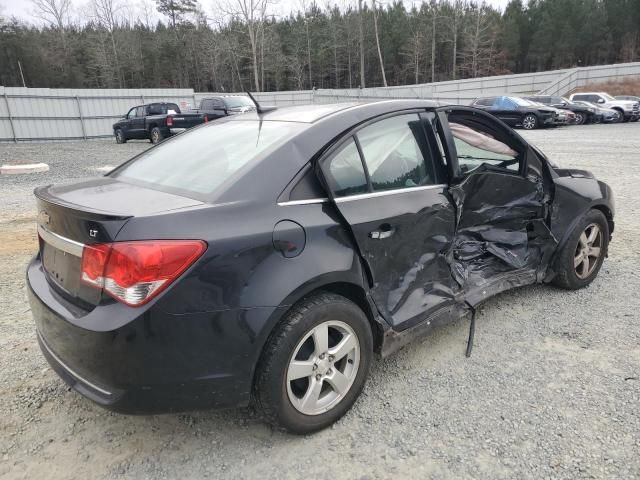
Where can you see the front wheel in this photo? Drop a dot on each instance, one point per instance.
(156, 135)
(530, 122)
(315, 364)
(580, 118)
(579, 261)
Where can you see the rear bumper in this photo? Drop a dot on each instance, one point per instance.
(175, 131)
(153, 363)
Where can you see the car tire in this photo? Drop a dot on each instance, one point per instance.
(120, 138)
(530, 122)
(156, 136)
(575, 266)
(620, 118)
(290, 404)
(581, 118)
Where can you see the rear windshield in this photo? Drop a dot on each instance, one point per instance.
(196, 163)
(236, 102)
(162, 108)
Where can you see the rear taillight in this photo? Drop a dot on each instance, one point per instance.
(135, 272)
(169, 121)
(206, 119)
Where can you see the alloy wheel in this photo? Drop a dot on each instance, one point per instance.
(155, 136)
(529, 122)
(323, 367)
(588, 251)
(579, 118)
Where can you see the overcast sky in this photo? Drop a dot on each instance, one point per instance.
(23, 9)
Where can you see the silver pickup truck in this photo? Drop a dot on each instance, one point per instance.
(628, 109)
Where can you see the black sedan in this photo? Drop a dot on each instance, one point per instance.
(266, 257)
(517, 112)
(584, 114)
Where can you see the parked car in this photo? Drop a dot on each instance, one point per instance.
(583, 114)
(632, 98)
(314, 236)
(517, 112)
(628, 110)
(602, 115)
(221, 106)
(155, 121)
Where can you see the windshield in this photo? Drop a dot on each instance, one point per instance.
(236, 102)
(194, 164)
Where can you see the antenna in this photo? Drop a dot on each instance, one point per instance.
(259, 109)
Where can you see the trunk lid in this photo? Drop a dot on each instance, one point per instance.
(93, 211)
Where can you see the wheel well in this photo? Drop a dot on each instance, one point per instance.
(608, 215)
(357, 295)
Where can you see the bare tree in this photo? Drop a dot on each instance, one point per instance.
(375, 27)
(106, 13)
(480, 44)
(361, 40)
(252, 12)
(55, 13)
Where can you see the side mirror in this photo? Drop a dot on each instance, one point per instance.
(601, 100)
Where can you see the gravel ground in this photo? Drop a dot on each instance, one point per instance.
(552, 389)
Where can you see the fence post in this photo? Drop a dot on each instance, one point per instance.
(84, 132)
(13, 130)
(195, 105)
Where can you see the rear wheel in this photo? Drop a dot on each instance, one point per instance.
(530, 122)
(582, 256)
(120, 138)
(156, 135)
(315, 365)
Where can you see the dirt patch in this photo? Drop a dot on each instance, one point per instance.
(18, 239)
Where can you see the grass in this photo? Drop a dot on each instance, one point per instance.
(628, 86)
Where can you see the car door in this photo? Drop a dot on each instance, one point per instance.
(502, 193)
(126, 124)
(137, 123)
(506, 110)
(391, 188)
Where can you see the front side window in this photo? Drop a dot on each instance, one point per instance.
(476, 148)
(132, 113)
(393, 151)
(199, 161)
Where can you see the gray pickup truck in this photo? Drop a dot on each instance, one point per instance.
(155, 122)
(628, 109)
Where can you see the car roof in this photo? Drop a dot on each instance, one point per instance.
(315, 113)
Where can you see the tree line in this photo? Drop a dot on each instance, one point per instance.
(366, 44)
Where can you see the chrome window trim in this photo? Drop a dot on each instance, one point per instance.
(384, 193)
(69, 370)
(61, 243)
(310, 201)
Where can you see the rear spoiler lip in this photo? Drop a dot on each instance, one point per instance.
(41, 193)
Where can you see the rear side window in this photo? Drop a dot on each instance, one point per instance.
(586, 98)
(199, 161)
(393, 152)
(345, 173)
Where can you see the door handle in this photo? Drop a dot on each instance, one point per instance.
(385, 231)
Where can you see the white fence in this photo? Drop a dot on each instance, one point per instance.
(31, 114)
